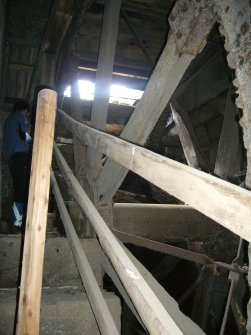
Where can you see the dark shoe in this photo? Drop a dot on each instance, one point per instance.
(16, 229)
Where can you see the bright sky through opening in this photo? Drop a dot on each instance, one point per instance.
(118, 93)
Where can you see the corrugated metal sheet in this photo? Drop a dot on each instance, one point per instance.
(17, 79)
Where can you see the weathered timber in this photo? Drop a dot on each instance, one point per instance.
(33, 255)
(47, 71)
(165, 223)
(97, 301)
(222, 201)
(155, 98)
(56, 28)
(105, 63)
(140, 42)
(187, 325)
(171, 65)
(155, 317)
(102, 89)
(65, 49)
(185, 139)
(114, 277)
(228, 160)
(80, 152)
(203, 83)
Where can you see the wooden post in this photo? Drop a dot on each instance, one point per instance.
(102, 87)
(33, 256)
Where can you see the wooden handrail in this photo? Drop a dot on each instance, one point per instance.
(101, 311)
(155, 317)
(226, 203)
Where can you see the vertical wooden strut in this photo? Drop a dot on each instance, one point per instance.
(33, 256)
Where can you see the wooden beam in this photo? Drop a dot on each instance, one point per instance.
(80, 152)
(204, 84)
(33, 255)
(20, 67)
(228, 160)
(56, 28)
(155, 317)
(223, 202)
(106, 264)
(187, 325)
(100, 309)
(105, 63)
(162, 84)
(149, 108)
(165, 223)
(185, 139)
(134, 31)
(64, 70)
(186, 131)
(47, 73)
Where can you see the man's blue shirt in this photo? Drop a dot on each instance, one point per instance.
(13, 141)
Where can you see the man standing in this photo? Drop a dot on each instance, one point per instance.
(16, 141)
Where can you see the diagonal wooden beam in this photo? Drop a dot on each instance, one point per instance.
(140, 42)
(185, 139)
(228, 160)
(163, 82)
(223, 202)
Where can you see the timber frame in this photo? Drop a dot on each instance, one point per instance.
(227, 204)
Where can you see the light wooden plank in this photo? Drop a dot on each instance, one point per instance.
(101, 311)
(33, 255)
(222, 201)
(155, 317)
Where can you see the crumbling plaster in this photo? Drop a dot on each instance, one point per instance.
(234, 18)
